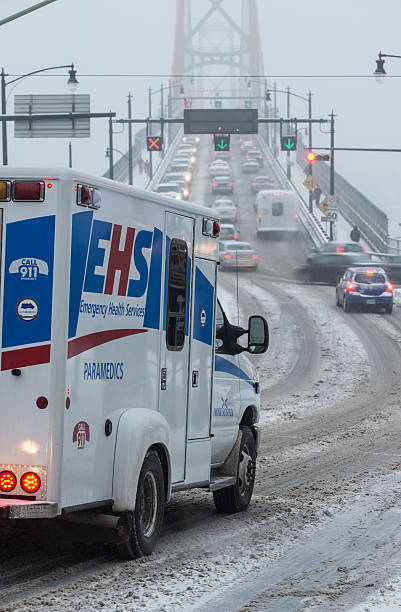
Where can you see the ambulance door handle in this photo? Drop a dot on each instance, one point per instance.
(163, 379)
(195, 378)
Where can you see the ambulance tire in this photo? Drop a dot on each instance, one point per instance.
(238, 497)
(145, 523)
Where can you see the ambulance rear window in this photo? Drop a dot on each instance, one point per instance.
(176, 294)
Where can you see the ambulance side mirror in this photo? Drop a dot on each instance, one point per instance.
(258, 335)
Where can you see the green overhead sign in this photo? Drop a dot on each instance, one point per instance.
(288, 143)
(222, 142)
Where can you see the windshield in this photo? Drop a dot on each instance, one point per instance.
(167, 188)
(239, 247)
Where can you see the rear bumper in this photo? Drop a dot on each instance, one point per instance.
(25, 509)
(379, 300)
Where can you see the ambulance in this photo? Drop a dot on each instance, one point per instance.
(122, 379)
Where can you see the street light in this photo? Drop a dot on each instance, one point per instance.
(380, 73)
(72, 85)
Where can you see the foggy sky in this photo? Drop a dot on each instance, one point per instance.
(132, 36)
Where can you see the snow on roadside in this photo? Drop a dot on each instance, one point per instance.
(344, 363)
(385, 599)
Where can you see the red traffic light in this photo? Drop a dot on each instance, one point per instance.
(311, 156)
(188, 103)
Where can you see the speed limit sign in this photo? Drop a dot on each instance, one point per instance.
(331, 216)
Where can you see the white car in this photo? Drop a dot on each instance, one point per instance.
(226, 210)
(235, 254)
(219, 169)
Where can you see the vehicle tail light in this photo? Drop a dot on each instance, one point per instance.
(296, 216)
(350, 287)
(248, 157)
(253, 184)
(229, 185)
(340, 250)
(235, 236)
(5, 190)
(227, 256)
(30, 482)
(28, 191)
(234, 212)
(272, 185)
(254, 256)
(8, 481)
(260, 216)
(390, 287)
(364, 249)
(215, 185)
(216, 228)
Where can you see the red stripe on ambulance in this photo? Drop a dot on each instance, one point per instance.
(84, 343)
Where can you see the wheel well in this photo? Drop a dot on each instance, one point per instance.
(249, 416)
(161, 451)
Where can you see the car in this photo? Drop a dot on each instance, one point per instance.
(234, 254)
(261, 182)
(186, 148)
(340, 247)
(219, 168)
(222, 184)
(365, 286)
(184, 189)
(225, 209)
(247, 146)
(192, 140)
(186, 158)
(219, 155)
(228, 232)
(183, 169)
(391, 264)
(168, 188)
(256, 155)
(328, 267)
(250, 165)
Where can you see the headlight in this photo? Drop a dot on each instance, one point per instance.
(187, 177)
(185, 193)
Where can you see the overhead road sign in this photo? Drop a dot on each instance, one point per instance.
(154, 143)
(221, 121)
(221, 142)
(288, 143)
(49, 104)
(310, 183)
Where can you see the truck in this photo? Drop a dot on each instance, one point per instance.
(277, 213)
(122, 380)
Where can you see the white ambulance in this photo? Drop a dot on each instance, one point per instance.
(277, 213)
(121, 378)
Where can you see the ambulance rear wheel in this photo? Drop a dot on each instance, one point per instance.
(146, 522)
(237, 497)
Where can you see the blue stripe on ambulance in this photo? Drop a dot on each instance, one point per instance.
(204, 301)
(152, 309)
(81, 231)
(223, 365)
(31, 239)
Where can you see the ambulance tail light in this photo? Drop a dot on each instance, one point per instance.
(8, 481)
(5, 191)
(88, 196)
(216, 229)
(30, 482)
(28, 191)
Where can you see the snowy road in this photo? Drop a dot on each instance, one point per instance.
(323, 531)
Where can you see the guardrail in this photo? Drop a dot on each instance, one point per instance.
(161, 168)
(311, 223)
(352, 204)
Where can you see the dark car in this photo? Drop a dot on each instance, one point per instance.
(340, 247)
(364, 287)
(258, 183)
(329, 267)
(391, 264)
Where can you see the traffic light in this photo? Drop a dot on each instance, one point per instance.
(188, 103)
(288, 143)
(312, 157)
(154, 143)
(248, 103)
(221, 142)
(218, 104)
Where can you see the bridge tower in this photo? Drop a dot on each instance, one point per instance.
(217, 51)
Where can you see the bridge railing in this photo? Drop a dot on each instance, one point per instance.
(352, 204)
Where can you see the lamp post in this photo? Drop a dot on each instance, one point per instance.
(130, 170)
(72, 85)
(380, 73)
